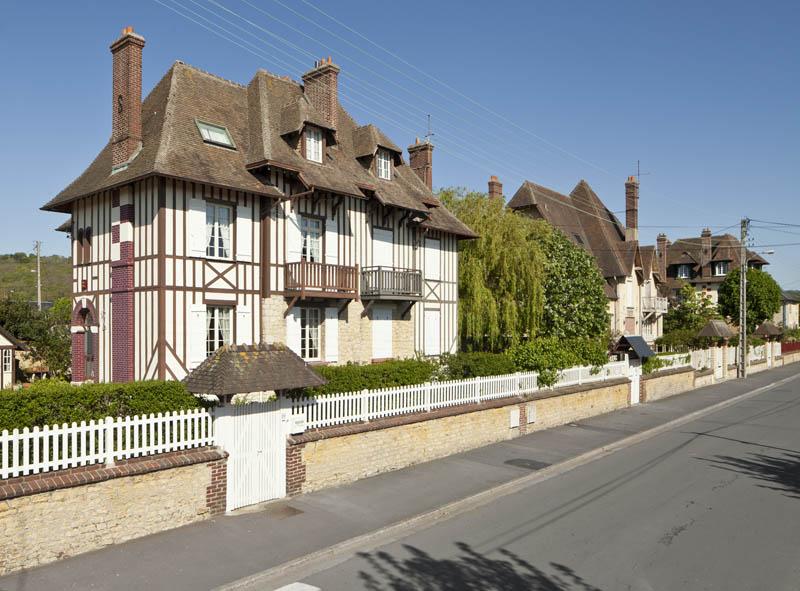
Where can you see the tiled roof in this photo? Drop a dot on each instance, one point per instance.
(244, 369)
(264, 120)
(717, 329)
(724, 247)
(12, 339)
(585, 220)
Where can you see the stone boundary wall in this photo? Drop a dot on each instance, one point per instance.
(50, 516)
(670, 382)
(338, 455)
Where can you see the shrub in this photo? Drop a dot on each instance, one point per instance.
(683, 340)
(475, 364)
(352, 377)
(49, 402)
(549, 355)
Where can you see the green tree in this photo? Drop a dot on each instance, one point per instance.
(691, 313)
(575, 303)
(763, 296)
(500, 273)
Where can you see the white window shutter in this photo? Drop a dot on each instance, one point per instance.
(293, 330)
(433, 254)
(332, 335)
(196, 227)
(244, 233)
(433, 332)
(294, 242)
(331, 242)
(244, 326)
(196, 333)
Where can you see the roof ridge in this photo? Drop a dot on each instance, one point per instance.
(207, 73)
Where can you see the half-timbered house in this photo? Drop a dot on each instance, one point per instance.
(223, 213)
(8, 361)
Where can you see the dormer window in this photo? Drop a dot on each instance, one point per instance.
(313, 142)
(720, 268)
(215, 134)
(683, 271)
(383, 163)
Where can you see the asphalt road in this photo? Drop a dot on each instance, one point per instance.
(712, 504)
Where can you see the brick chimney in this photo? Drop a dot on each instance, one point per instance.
(126, 120)
(705, 251)
(631, 209)
(495, 188)
(662, 249)
(322, 89)
(420, 155)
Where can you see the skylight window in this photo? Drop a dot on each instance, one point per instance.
(215, 134)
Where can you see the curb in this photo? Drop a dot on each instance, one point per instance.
(310, 563)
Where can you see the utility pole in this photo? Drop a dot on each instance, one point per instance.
(743, 300)
(37, 246)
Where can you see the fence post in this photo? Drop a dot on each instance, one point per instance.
(365, 405)
(426, 392)
(477, 387)
(108, 434)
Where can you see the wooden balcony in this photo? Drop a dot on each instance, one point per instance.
(320, 280)
(391, 283)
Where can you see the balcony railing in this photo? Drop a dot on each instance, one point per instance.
(321, 280)
(654, 304)
(391, 283)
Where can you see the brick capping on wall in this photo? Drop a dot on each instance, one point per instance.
(387, 423)
(39, 483)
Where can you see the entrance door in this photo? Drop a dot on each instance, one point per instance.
(255, 439)
(381, 332)
(433, 332)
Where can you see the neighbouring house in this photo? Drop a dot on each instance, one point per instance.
(789, 314)
(221, 213)
(8, 361)
(701, 262)
(636, 306)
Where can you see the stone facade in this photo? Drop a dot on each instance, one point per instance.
(336, 456)
(51, 516)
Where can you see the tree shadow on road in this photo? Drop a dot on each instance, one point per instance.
(782, 472)
(470, 571)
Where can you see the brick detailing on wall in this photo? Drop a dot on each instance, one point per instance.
(321, 86)
(93, 507)
(78, 361)
(295, 468)
(523, 418)
(420, 157)
(217, 491)
(21, 486)
(126, 120)
(84, 318)
(122, 284)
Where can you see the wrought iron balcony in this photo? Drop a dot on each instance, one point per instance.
(654, 305)
(309, 279)
(391, 283)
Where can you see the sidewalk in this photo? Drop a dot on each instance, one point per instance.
(206, 555)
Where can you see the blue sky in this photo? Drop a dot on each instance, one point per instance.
(705, 94)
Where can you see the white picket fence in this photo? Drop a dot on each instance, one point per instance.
(675, 360)
(55, 447)
(350, 407)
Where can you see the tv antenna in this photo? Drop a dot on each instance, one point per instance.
(430, 134)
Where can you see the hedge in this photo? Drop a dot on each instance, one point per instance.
(548, 355)
(49, 402)
(352, 377)
(476, 364)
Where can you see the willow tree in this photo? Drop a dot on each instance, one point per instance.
(500, 274)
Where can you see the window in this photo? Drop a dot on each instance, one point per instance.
(629, 292)
(721, 268)
(218, 328)
(311, 235)
(6, 360)
(683, 271)
(218, 230)
(215, 134)
(309, 333)
(384, 164)
(313, 139)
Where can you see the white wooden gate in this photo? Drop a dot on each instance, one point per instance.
(635, 375)
(254, 435)
(719, 365)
